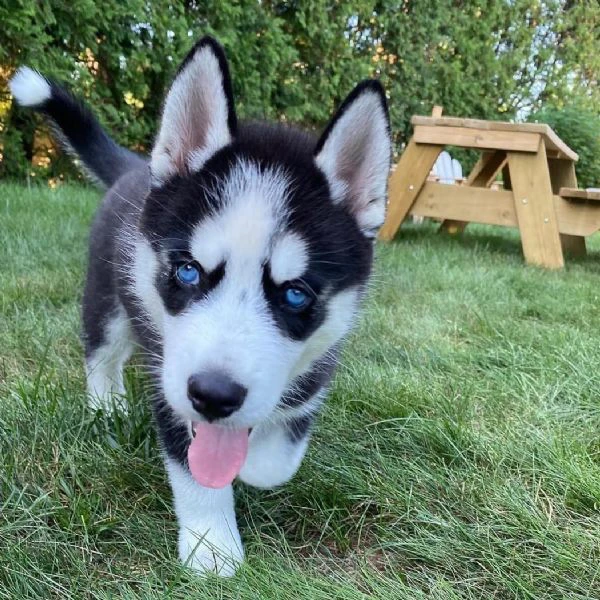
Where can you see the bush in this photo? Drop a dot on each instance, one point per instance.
(295, 60)
(579, 128)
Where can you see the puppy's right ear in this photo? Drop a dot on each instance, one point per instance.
(198, 117)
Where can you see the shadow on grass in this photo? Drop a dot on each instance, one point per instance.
(497, 240)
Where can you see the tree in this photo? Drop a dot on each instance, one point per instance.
(294, 61)
(494, 59)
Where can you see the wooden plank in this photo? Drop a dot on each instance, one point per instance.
(577, 194)
(405, 184)
(577, 219)
(482, 175)
(474, 138)
(562, 174)
(534, 205)
(479, 205)
(487, 168)
(464, 203)
(446, 121)
(554, 145)
(555, 153)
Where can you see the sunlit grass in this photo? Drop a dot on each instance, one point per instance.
(458, 456)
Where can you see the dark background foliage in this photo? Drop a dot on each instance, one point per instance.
(294, 61)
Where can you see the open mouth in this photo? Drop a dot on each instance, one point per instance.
(216, 454)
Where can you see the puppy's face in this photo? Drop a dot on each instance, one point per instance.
(255, 242)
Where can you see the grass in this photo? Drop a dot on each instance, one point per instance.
(458, 456)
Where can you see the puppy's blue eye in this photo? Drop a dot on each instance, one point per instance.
(296, 298)
(188, 274)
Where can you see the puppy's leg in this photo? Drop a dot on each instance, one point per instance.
(209, 540)
(276, 451)
(105, 360)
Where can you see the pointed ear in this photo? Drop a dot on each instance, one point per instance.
(198, 117)
(354, 153)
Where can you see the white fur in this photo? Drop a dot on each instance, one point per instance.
(207, 244)
(29, 88)
(237, 335)
(104, 368)
(232, 330)
(341, 311)
(356, 160)
(243, 230)
(209, 540)
(289, 258)
(273, 458)
(194, 122)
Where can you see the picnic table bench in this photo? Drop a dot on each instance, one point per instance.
(539, 192)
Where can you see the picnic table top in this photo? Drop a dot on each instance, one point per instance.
(551, 140)
(575, 193)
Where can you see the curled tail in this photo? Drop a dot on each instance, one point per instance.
(76, 126)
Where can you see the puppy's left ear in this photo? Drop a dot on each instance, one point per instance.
(198, 117)
(354, 153)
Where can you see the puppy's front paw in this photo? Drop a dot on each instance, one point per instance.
(216, 550)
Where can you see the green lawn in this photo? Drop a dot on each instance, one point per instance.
(458, 456)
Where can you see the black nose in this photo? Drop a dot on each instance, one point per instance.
(215, 395)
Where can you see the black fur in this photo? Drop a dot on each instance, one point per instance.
(79, 131)
(307, 385)
(177, 297)
(173, 433)
(104, 282)
(340, 255)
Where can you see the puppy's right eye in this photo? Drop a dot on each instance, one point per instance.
(188, 274)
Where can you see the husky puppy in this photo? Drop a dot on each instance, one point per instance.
(236, 257)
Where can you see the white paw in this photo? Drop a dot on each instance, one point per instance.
(273, 458)
(218, 550)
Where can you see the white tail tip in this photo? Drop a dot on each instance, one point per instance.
(29, 88)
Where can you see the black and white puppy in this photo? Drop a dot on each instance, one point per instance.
(236, 257)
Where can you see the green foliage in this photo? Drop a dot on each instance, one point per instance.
(579, 127)
(494, 59)
(294, 61)
(14, 163)
(113, 54)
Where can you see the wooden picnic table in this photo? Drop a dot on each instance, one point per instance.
(535, 164)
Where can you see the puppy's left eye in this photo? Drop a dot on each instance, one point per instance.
(296, 298)
(188, 273)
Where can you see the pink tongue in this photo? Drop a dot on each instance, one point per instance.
(216, 455)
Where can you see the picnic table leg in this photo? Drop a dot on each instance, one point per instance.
(405, 184)
(562, 174)
(534, 206)
(483, 175)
